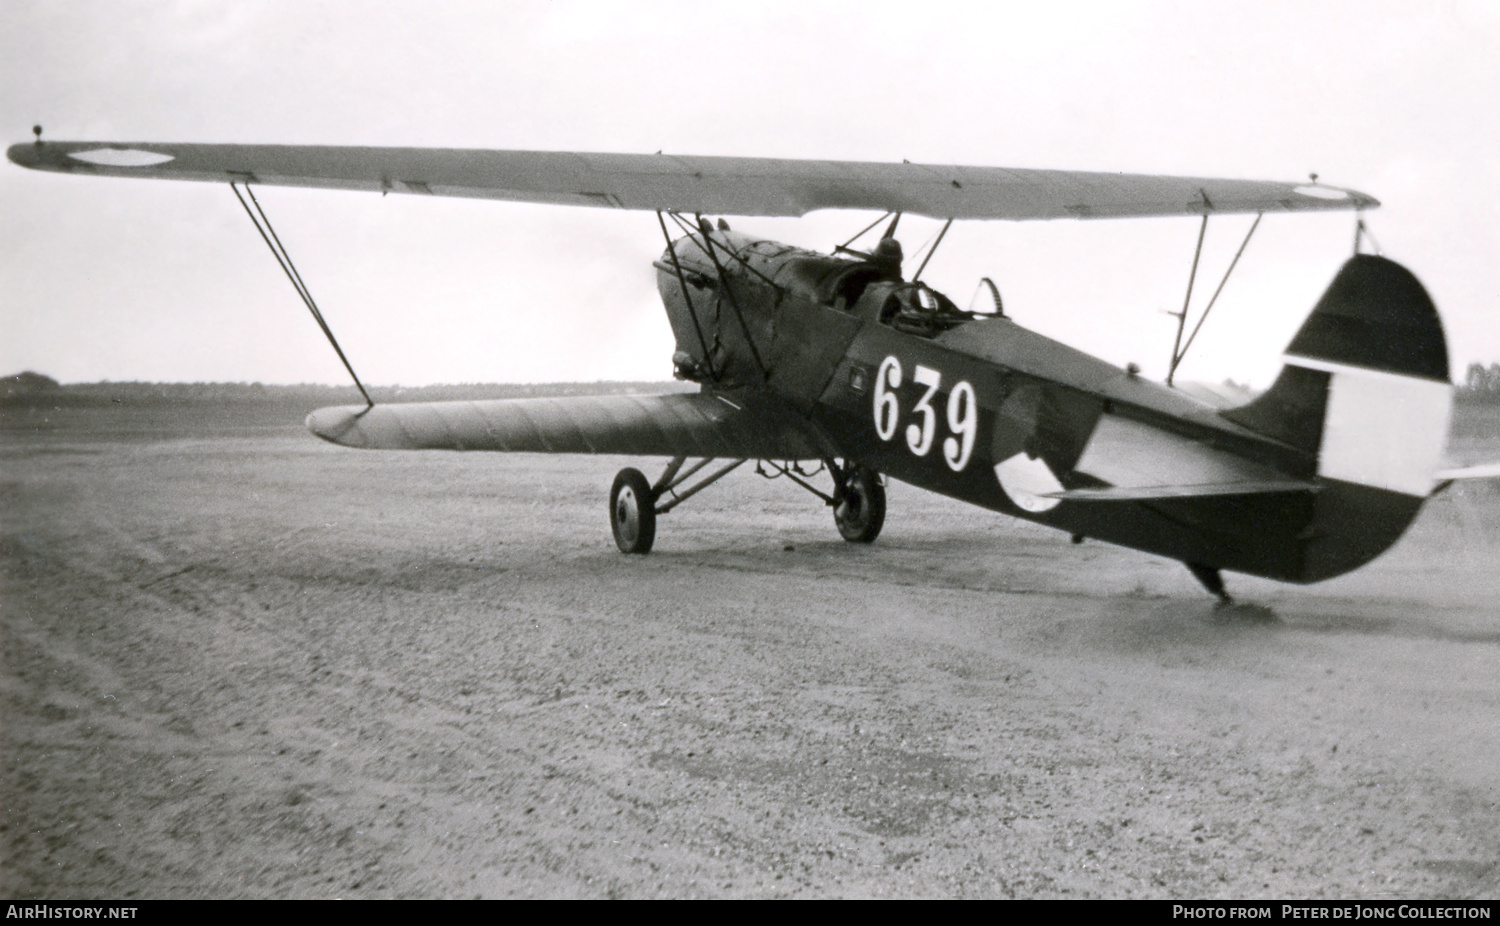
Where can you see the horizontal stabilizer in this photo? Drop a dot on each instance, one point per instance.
(1150, 493)
(712, 185)
(1483, 471)
(681, 424)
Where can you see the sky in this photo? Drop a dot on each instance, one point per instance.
(123, 279)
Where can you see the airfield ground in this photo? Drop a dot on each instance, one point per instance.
(239, 662)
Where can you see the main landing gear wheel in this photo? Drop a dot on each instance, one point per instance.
(632, 512)
(860, 511)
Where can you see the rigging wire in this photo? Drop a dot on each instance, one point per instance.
(918, 275)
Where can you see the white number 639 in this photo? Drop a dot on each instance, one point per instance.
(962, 417)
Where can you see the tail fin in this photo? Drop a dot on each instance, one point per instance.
(1365, 387)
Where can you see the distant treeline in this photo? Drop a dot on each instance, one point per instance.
(1481, 385)
(34, 388)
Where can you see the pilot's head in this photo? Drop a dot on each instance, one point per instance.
(887, 257)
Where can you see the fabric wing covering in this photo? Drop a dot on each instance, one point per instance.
(682, 424)
(711, 185)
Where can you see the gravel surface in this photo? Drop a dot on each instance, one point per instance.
(247, 664)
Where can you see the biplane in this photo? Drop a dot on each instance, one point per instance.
(844, 364)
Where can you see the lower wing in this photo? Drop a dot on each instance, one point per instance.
(682, 424)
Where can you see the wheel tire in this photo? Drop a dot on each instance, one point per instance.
(860, 514)
(632, 512)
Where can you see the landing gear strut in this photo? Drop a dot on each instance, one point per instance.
(633, 500)
(858, 498)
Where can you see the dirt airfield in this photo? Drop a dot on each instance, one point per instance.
(239, 662)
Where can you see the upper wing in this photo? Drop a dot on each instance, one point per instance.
(681, 424)
(714, 185)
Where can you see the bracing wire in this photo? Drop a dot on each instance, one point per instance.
(262, 223)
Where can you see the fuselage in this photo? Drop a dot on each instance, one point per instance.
(983, 410)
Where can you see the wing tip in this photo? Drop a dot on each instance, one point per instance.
(338, 425)
(26, 153)
(1318, 196)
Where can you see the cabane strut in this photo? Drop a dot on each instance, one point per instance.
(688, 298)
(734, 303)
